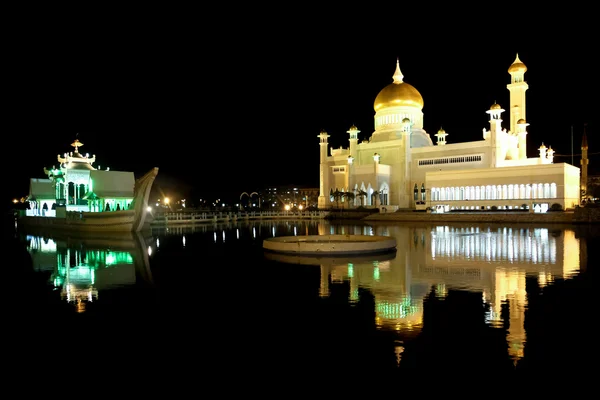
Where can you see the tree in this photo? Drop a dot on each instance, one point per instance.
(375, 197)
(349, 196)
(337, 195)
(362, 196)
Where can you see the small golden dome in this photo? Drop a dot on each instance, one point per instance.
(398, 94)
(441, 131)
(517, 66)
(495, 106)
(406, 120)
(521, 121)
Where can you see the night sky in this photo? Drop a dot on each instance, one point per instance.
(224, 105)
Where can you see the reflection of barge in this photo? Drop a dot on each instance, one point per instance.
(82, 265)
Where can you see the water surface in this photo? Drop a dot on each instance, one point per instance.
(461, 297)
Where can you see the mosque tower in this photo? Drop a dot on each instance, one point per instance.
(517, 88)
(584, 165)
(324, 179)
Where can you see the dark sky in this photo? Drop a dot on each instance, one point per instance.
(224, 104)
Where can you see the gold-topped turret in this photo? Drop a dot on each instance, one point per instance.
(76, 144)
(517, 66)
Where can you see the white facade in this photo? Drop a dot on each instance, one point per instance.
(400, 166)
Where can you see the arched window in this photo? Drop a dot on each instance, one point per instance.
(553, 191)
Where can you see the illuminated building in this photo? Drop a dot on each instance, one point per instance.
(400, 166)
(289, 198)
(76, 185)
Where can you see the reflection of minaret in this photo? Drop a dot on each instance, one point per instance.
(511, 291)
(584, 165)
(324, 286)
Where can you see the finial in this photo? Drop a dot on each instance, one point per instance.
(398, 74)
(76, 144)
(517, 59)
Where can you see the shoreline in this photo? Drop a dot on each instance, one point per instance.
(579, 216)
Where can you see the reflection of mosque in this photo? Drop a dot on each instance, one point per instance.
(83, 267)
(490, 260)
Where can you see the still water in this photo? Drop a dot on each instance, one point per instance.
(460, 297)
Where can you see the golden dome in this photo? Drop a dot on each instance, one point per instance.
(441, 131)
(406, 120)
(517, 66)
(398, 94)
(521, 121)
(495, 106)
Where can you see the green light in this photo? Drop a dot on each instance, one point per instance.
(350, 270)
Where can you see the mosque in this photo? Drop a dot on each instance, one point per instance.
(401, 167)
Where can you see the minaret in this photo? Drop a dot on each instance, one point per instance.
(522, 135)
(495, 113)
(324, 173)
(584, 164)
(353, 132)
(441, 137)
(517, 88)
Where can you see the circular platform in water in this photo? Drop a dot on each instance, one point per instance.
(330, 244)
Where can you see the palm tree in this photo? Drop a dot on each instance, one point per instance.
(362, 195)
(337, 195)
(375, 196)
(350, 198)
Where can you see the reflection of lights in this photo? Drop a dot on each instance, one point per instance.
(215, 236)
(237, 233)
(149, 209)
(150, 249)
(295, 232)
(223, 235)
(157, 242)
(183, 240)
(254, 232)
(273, 230)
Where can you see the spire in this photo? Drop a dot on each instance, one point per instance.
(398, 74)
(584, 144)
(517, 60)
(77, 144)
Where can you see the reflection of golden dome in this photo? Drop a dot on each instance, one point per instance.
(517, 66)
(398, 94)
